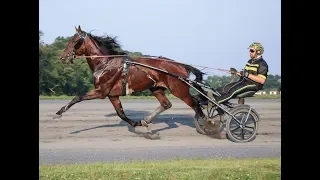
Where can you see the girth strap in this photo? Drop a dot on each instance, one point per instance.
(124, 74)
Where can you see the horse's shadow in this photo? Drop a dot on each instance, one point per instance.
(169, 119)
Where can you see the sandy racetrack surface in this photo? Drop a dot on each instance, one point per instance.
(91, 131)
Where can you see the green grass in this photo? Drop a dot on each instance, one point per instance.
(267, 96)
(232, 169)
(63, 97)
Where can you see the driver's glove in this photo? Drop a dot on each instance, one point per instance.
(244, 73)
(233, 71)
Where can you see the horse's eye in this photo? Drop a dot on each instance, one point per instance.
(78, 45)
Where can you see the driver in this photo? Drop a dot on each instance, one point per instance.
(252, 78)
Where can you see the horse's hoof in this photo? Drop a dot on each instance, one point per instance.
(57, 116)
(144, 123)
(212, 127)
(152, 136)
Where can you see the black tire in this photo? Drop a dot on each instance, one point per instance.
(199, 122)
(253, 118)
(199, 126)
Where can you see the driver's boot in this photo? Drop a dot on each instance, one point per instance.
(205, 103)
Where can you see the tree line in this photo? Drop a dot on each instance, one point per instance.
(58, 79)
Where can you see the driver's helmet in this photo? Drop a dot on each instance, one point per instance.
(257, 46)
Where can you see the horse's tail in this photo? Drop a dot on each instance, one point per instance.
(196, 72)
(199, 77)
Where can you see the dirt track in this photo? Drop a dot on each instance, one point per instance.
(91, 131)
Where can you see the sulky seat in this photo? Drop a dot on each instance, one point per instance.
(245, 95)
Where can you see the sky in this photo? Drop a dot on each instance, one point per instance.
(209, 33)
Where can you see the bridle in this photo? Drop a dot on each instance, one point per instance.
(76, 44)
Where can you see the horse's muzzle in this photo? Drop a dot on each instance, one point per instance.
(63, 60)
(67, 60)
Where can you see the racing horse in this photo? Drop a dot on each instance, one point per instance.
(114, 78)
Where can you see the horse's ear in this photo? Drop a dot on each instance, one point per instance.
(76, 28)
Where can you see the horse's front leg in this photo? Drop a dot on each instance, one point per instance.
(118, 107)
(93, 94)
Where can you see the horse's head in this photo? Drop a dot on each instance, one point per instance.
(88, 44)
(75, 47)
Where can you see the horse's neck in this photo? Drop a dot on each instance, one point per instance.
(93, 63)
(104, 51)
(96, 64)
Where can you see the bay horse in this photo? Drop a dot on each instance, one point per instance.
(114, 78)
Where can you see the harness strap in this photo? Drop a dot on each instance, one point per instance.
(125, 72)
(233, 75)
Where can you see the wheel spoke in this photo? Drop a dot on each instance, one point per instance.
(235, 129)
(250, 122)
(248, 130)
(249, 127)
(242, 134)
(242, 118)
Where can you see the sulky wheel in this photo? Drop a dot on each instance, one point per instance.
(204, 126)
(248, 130)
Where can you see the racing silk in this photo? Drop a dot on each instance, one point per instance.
(258, 67)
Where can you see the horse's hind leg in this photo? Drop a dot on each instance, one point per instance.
(165, 104)
(183, 93)
(118, 107)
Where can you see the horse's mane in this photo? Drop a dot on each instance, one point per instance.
(109, 42)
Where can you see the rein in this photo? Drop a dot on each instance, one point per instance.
(228, 71)
(99, 56)
(83, 37)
